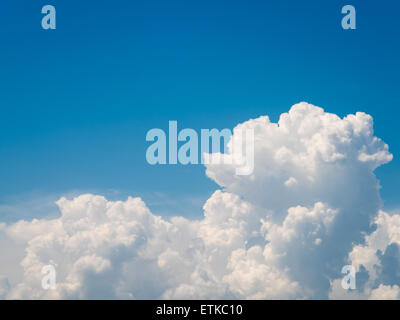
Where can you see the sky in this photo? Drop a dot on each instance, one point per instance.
(76, 102)
(76, 191)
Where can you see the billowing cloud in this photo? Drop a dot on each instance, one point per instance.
(311, 206)
(379, 259)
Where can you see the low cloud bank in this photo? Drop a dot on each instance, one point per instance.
(310, 207)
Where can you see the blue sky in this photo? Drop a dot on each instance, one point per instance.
(76, 102)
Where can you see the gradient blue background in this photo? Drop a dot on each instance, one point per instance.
(76, 102)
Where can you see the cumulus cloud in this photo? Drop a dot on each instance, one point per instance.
(311, 206)
(379, 258)
(385, 293)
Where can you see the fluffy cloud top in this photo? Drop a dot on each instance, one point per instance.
(310, 207)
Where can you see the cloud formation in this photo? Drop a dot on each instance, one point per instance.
(311, 206)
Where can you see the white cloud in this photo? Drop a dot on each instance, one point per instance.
(373, 254)
(386, 293)
(283, 232)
